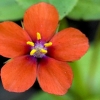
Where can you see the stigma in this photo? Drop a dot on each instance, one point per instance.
(38, 49)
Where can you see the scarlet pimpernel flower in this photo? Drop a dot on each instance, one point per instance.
(36, 53)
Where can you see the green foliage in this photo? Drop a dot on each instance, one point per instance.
(74, 9)
(87, 75)
(86, 10)
(63, 24)
(63, 6)
(45, 96)
(14, 9)
(10, 10)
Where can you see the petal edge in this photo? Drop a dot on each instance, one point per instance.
(12, 40)
(68, 45)
(19, 74)
(42, 18)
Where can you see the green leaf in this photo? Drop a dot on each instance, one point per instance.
(93, 98)
(87, 74)
(86, 10)
(63, 7)
(46, 96)
(63, 24)
(80, 70)
(10, 10)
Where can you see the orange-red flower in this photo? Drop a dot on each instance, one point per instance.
(36, 52)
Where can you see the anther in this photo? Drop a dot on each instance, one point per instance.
(43, 51)
(32, 52)
(30, 43)
(38, 36)
(48, 44)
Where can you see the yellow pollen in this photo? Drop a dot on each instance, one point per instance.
(30, 43)
(38, 36)
(32, 52)
(48, 44)
(43, 51)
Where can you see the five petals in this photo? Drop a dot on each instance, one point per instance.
(53, 73)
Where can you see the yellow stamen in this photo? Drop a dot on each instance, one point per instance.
(43, 51)
(30, 43)
(48, 44)
(32, 52)
(38, 36)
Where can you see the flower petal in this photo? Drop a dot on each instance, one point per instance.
(54, 76)
(68, 45)
(42, 18)
(12, 40)
(19, 74)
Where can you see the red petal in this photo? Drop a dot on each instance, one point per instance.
(42, 18)
(12, 40)
(68, 45)
(19, 74)
(54, 76)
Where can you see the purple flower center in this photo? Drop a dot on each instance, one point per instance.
(38, 49)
